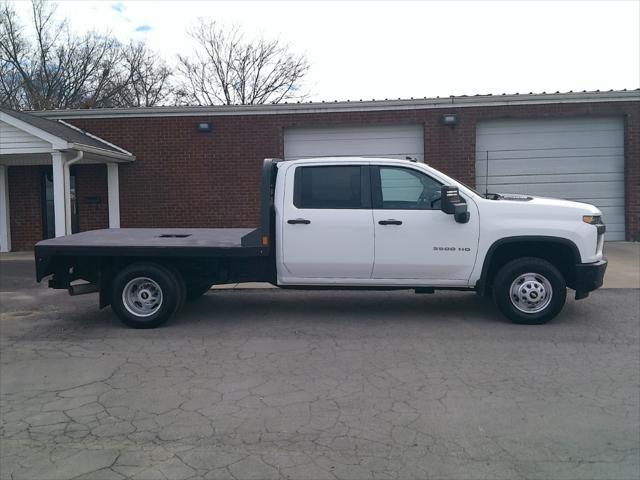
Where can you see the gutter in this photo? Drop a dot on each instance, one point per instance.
(348, 106)
(103, 152)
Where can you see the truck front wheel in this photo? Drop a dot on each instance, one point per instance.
(529, 291)
(145, 295)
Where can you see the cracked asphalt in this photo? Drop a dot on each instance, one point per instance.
(267, 384)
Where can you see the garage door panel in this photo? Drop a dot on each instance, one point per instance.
(559, 178)
(394, 141)
(552, 126)
(371, 132)
(523, 126)
(600, 165)
(579, 159)
(552, 153)
(615, 232)
(614, 203)
(566, 140)
(566, 190)
(352, 147)
(611, 216)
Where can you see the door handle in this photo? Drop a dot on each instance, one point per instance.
(303, 221)
(390, 222)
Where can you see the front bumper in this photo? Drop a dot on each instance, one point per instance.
(589, 277)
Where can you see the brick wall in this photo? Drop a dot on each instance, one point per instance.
(25, 202)
(632, 174)
(182, 178)
(91, 181)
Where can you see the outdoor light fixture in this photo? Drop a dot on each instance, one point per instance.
(203, 127)
(450, 119)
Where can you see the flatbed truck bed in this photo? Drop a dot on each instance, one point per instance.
(153, 242)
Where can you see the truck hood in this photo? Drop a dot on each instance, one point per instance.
(584, 208)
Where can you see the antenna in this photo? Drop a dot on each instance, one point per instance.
(486, 177)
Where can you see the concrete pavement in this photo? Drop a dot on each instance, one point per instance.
(282, 384)
(623, 270)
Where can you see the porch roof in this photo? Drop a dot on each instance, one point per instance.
(60, 135)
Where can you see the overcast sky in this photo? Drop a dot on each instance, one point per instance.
(364, 50)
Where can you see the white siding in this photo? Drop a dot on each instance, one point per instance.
(14, 140)
(579, 159)
(391, 141)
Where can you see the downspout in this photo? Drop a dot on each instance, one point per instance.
(67, 190)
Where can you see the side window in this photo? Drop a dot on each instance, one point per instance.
(331, 187)
(407, 189)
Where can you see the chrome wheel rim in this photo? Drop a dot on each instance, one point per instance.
(142, 297)
(530, 292)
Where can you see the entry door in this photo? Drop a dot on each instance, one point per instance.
(48, 220)
(328, 227)
(414, 239)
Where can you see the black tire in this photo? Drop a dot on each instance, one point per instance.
(530, 292)
(182, 288)
(148, 279)
(196, 291)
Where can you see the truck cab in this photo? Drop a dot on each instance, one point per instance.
(351, 222)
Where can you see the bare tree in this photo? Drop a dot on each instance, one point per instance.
(150, 77)
(226, 69)
(54, 68)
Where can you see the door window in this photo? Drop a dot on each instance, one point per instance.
(332, 187)
(407, 189)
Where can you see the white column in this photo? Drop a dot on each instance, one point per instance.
(5, 227)
(68, 228)
(113, 185)
(66, 175)
(59, 208)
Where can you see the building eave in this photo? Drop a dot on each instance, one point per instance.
(349, 106)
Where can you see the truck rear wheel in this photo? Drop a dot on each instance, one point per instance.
(529, 291)
(145, 295)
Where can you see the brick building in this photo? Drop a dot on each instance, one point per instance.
(200, 166)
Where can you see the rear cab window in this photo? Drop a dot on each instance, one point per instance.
(332, 187)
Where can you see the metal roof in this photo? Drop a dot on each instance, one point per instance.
(352, 106)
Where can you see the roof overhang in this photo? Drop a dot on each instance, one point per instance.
(349, 106)
(60, 144)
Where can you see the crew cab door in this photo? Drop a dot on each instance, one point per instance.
(326, 223)
(414, 239)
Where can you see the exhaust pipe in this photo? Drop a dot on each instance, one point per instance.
(83, 288)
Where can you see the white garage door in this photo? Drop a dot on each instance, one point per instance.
(579, 159)
(393, 141)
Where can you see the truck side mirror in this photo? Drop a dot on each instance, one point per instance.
(453, 204)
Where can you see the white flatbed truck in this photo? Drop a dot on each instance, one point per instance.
(347, 223)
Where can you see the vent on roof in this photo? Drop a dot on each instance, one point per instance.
(174, 235)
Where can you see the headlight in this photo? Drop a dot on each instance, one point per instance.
(592, 219)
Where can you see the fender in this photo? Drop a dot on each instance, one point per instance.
(481, 286)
